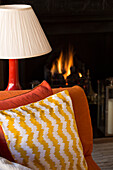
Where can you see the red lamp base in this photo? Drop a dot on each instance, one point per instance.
(13, 83)
(12, 86)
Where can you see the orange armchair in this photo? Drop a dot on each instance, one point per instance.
(82, 116)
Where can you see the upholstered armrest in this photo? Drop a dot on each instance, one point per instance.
(91, 164)
(9, 94)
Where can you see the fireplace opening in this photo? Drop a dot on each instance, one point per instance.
(64, 69)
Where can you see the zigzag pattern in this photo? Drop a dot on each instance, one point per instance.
(43, 135)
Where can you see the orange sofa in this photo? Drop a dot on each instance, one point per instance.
(82, 116)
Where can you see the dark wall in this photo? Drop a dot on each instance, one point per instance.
(86, 24)
(66, 7)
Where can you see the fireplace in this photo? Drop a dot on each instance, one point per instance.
(66, 70)
(86, 25)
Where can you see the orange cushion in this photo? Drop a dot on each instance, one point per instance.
(36, 94)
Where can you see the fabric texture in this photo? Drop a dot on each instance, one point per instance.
(83, 121)
(8, 165)
(36, 94)
(4, 150)
(91, 164)
(82, 116)
(12, 93)
(44, 134)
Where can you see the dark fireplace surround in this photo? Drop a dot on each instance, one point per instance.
(89, 32)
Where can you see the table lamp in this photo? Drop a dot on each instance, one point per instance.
(21, 36)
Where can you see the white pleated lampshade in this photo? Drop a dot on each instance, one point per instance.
(21, 35)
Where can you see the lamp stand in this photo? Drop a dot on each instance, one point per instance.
(13, 83)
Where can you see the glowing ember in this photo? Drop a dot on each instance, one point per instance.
(80, 75)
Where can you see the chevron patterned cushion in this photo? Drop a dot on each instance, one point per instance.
(43, 135)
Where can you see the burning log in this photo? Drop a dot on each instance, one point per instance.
(58, 79)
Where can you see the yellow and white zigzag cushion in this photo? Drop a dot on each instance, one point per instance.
(43, 135)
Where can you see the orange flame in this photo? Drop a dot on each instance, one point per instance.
(68, 63)
(53, 69)
(60, 63)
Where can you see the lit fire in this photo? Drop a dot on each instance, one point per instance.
(68, 63)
